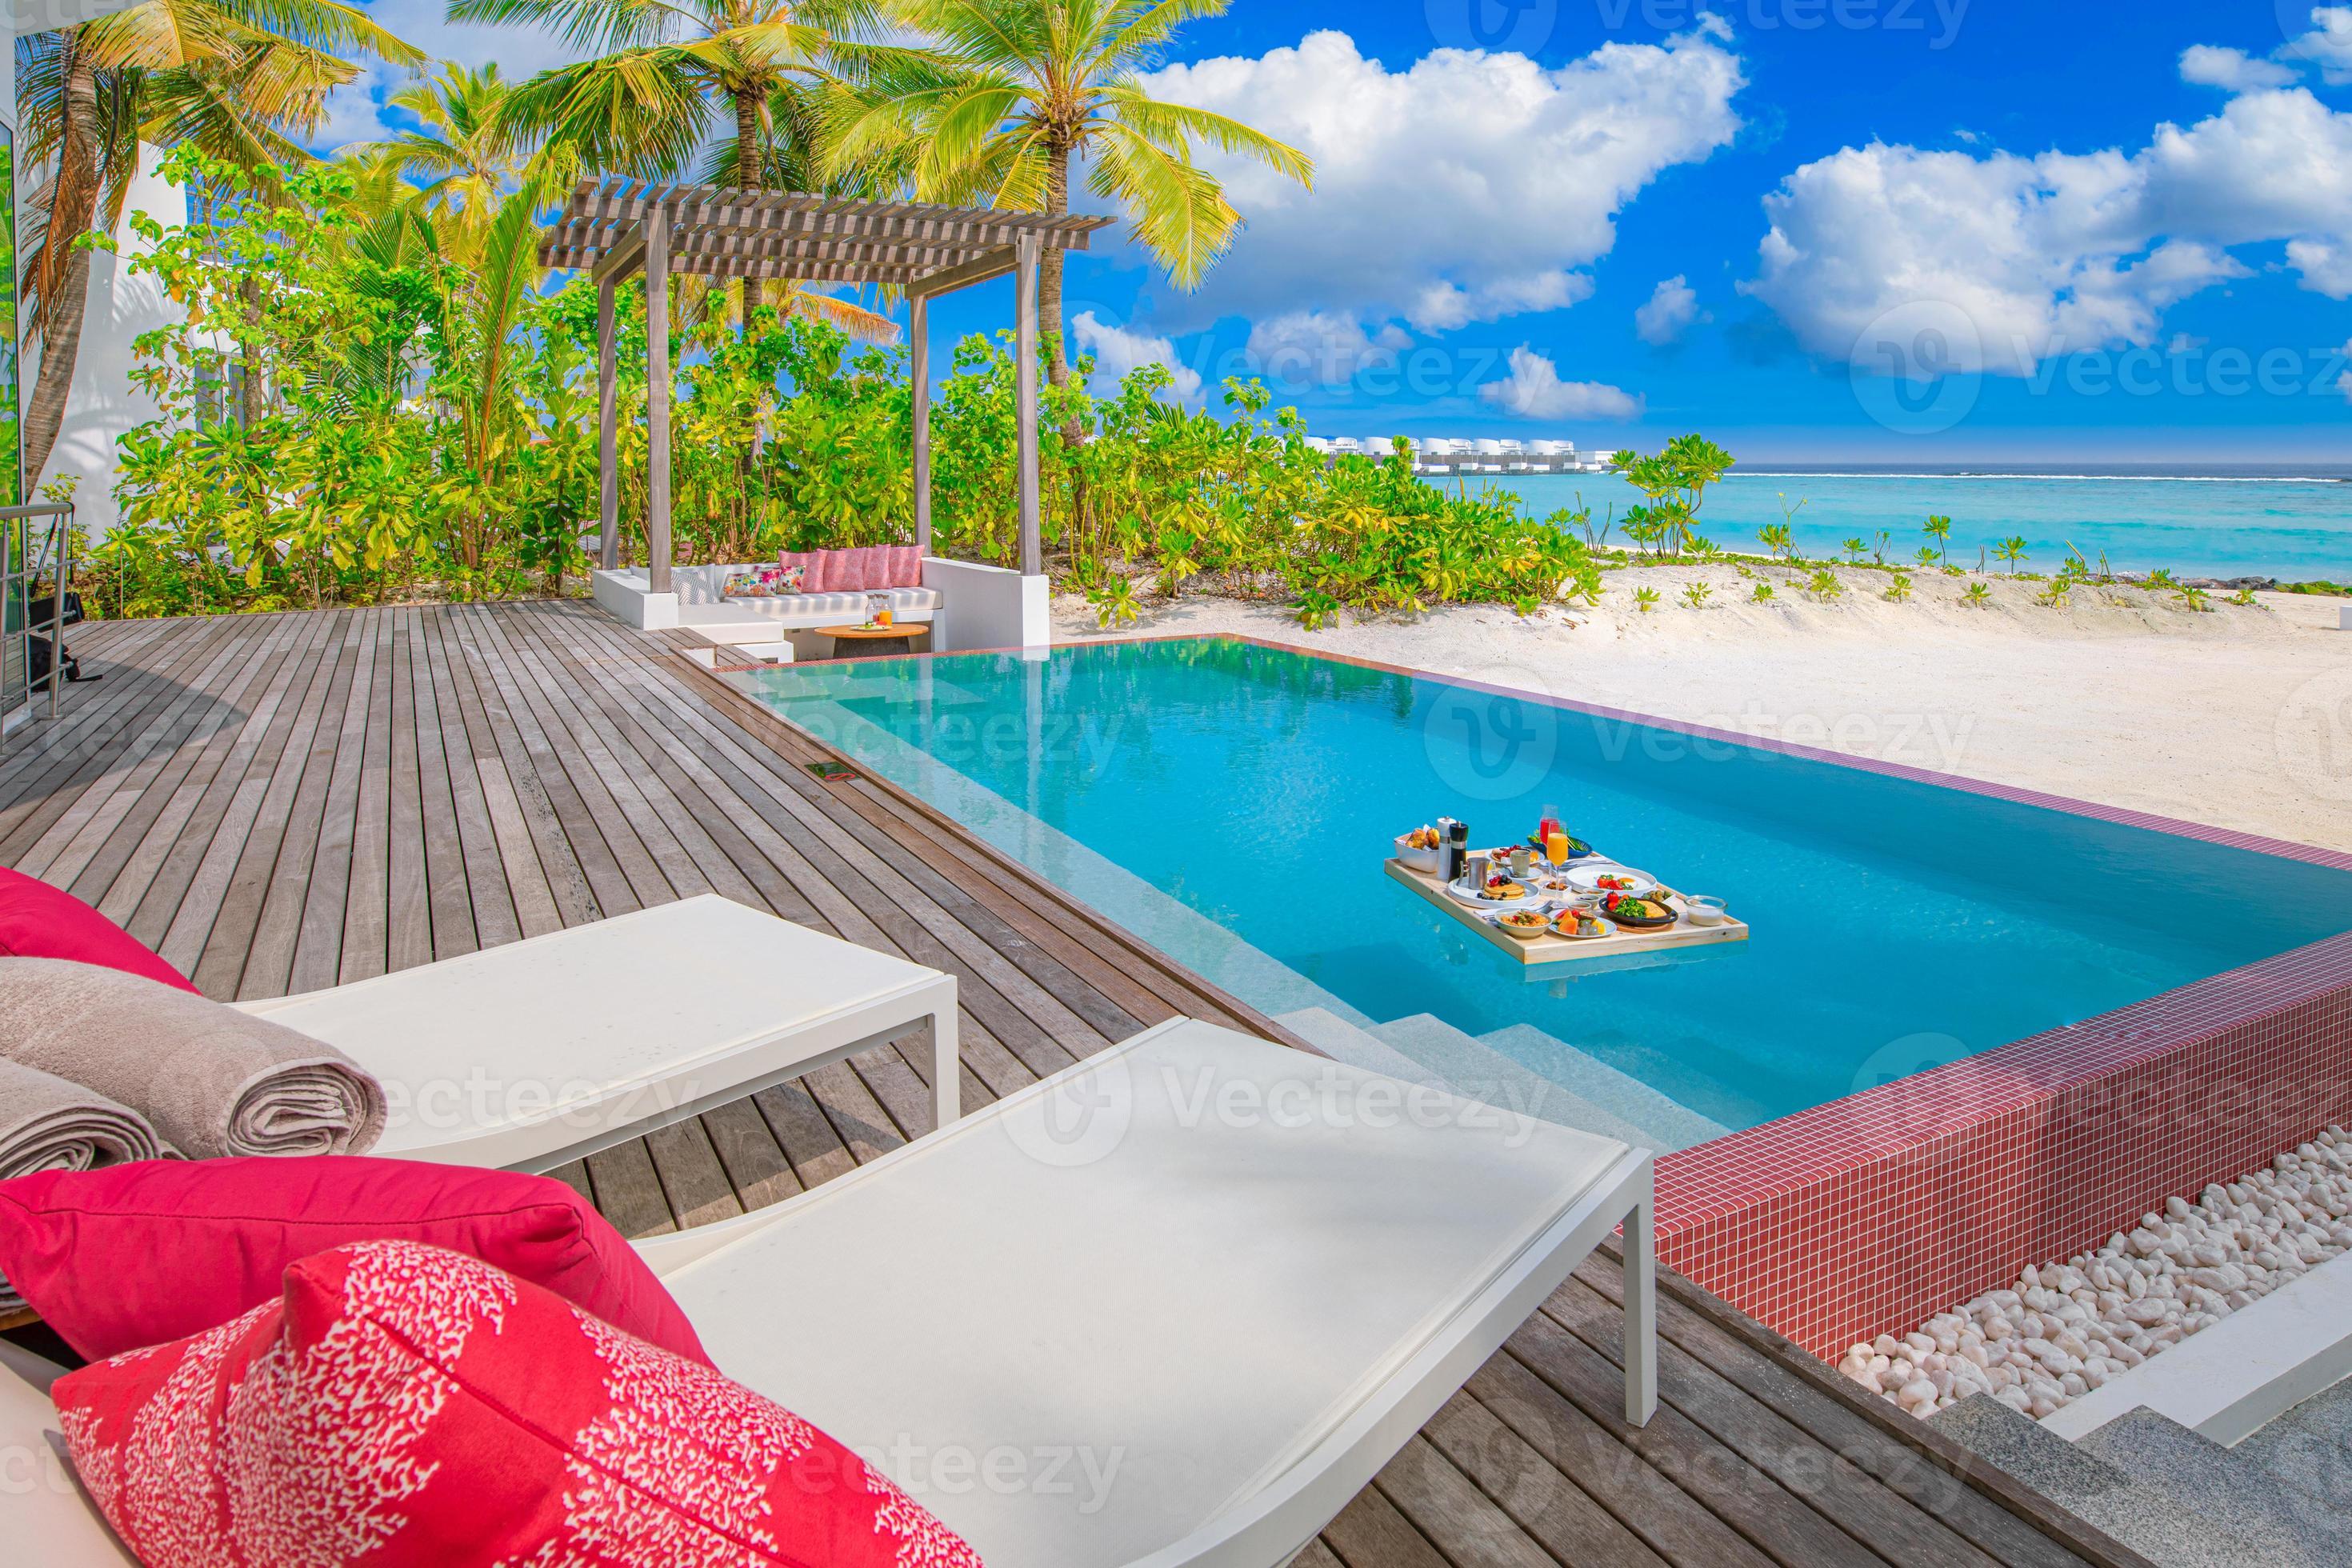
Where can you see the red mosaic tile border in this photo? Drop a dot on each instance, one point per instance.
(1874, 1211)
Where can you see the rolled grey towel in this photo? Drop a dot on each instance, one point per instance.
(49, 1124)
(212, 1080)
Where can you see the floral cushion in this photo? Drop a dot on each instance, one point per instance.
(401, 1407)
(768, 583)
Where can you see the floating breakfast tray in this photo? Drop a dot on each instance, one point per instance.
(1549, 949)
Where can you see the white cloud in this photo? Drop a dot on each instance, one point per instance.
(2205, 65)
(355, 110)
(1466, 187)
(1999, 261)
(1117, 350)
(1534, 390)
(1672, 307)
(2328, 45)
(1321, 348)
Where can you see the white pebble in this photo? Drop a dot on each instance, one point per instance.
(2069, 1327)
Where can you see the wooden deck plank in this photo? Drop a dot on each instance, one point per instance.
(123, 853)
(367, 909)
(198, 826)
(284, 801)
(408, 905)
(1524, 1485)
(278, 935)
(472, 898)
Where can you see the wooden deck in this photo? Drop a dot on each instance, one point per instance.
(282, 803)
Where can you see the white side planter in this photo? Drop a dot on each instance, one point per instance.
(986, 607)
(625, 596)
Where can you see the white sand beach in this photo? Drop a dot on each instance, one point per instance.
(2238, 717)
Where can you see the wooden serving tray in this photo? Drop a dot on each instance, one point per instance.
(1550, 950)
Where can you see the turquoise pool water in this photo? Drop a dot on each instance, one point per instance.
(1233, 804)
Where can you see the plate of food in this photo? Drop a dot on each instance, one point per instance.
(1500, 892)
(1525, 924)
(1610, 878)
(1583, 925)
(1636, 913)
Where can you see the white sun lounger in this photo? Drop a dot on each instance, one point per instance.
(1175, 1305)
(1169, 1309)
(535, 1053)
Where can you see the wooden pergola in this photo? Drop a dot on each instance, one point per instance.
(613, 227)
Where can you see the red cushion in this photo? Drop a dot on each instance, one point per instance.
(138, 1255)
(38, 921)
(405, 1407)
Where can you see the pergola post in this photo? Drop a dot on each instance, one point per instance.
(1025, 253)
(608, 468)
(657, 545)
(919, 337)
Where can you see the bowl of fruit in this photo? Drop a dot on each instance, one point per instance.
(1421, 849)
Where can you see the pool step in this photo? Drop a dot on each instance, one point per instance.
(1672, 1125)
(1478, 1069)
(2309, 1448)
(2287, 1526)
(2142, 1515)
(1342, 1041)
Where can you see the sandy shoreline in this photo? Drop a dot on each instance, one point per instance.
(2241, 717)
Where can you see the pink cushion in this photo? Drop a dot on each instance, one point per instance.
(139, 1255)
(811, 567)
(401, 1406)
(855, 571)
(902, 566)
(38, 921)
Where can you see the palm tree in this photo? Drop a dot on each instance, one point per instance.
(231, 77)
(1013, 91)
(459, 166)
(1939, 529)
(649, 100)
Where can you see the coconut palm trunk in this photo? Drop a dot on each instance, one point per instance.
(1049, 267)
(751, 171)
(65, 296)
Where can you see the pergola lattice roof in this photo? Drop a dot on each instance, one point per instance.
(616, 227)
(724, 232)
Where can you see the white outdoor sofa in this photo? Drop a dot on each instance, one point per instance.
(535, 1053)
(1214, 1283)
(966, 604)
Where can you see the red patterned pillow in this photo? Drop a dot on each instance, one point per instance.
(902, 566)
(401, 1407)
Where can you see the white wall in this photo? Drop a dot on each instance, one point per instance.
(986, 607)
(104, 404)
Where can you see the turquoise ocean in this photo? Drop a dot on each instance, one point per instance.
(2207, 525)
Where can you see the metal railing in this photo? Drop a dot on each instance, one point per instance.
(24, 563)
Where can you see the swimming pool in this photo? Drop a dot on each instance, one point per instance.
(1232, 803)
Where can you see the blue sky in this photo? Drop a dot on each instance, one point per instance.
(1826, 230)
